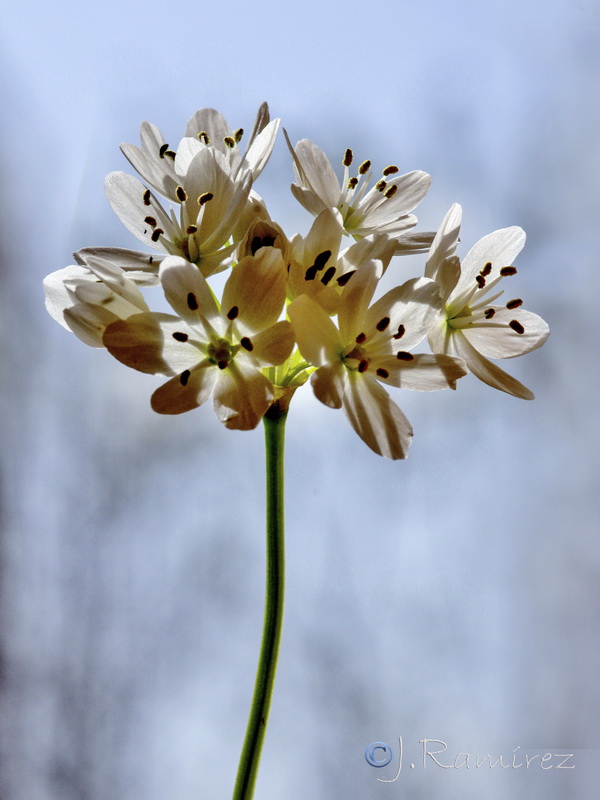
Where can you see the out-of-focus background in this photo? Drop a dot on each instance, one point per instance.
(452, 597)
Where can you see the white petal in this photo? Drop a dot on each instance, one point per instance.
(445, 242)
(423, 373)
(499, 248)
(414, 306)
(187, 291)
(58, 290)
(319, 172)
(126, 196)
(488, 372)
(261, 148)
(142, 268)
(505, 342)
(376, 418)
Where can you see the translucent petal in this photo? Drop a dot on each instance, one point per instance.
(241, 396)
(488, 372)
(318, 338)
(505, 342)
(186, 391)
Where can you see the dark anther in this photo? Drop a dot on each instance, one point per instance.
(514, 304)
(352, 183)
(403, 356)
(180, 337)
(489, 313)
(261, 241)
(322, 259)
(147, 196)
(328, 276)
(230, 142)
(151, 221)
(364, 167)
(516, 326)
(222, 364)
(362, 337)
(192, 301)
(311, 273)
(363, 366)
(391, 170)
(383, 323)
(204, 198)
(238, 134)
(171, 153)
(233, 312)
(487, 269)
(163, 150)
(508, 271)
(391, 191)
(156, 234)
(181, 194)
(380, 185)
(383, 373)
(191, 229)
(246, 344)
(184, 377)
(401, 332)
(348, 156)
(343, 279)
(480, 281)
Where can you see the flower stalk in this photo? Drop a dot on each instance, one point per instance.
(274, 424)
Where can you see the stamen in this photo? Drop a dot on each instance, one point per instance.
(508, 271)
(514, 304)
(151, 221)
(247, 344)
(489, 313)
(391, 170)
(163, 149)
(180, 337)
(146, 197)
(181, 194)
(353, 183)
(516, 326)
(204, 137)
(230, 142)
(480, 281)
(204, 198)
(258, 242)
(233, 312)
(363, 366)
(362, 337)
(364, 167)
(171, 153)
(383, 323)
(391, 191)
(380, 185)
(328, 275)
(348, 156)
(487, 269)
(191, 229)
(311, 273)
(401, 332)
(192, 301)
(322, 259)
(156, 234)
(222, 364)
(383, 373)
(184, 377)
(343, 279)
(404, 356)
(238, 134)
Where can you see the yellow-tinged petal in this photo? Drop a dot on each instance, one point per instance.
(273, 345)
(241, 397)
(256, 288)
(422, 373)
(356, 297)
(376, 418)
(318, 338)
(146, 342)
(328, 384)
(185, 391)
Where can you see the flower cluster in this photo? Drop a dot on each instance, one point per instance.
(291, 308)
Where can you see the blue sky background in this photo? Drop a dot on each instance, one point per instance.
(453, 596)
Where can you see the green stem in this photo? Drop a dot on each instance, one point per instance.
(274, 422)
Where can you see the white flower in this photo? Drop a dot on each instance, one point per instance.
(470, 325)
(382, 209)
(370, 348)
(155, 161)
(211, 201)
(86, 299)
(211, 350)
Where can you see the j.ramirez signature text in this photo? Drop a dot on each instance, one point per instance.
(434, 752)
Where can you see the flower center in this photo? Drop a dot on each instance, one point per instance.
(220, 352)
